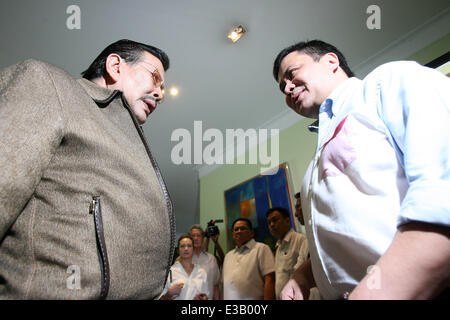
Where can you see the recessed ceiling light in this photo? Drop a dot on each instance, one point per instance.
(236, 33)
(173, 91)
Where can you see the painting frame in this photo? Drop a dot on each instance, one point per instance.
(441, 63)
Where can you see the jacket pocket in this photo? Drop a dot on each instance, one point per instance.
(96, 211)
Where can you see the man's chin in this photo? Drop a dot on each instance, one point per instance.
(141, 120)
(307, 112)
(143, 116)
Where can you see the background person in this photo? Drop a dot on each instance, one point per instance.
(291, 248)
(206, 261)
(302, 274)
(218, 251)
(186, 281)
(248, 269)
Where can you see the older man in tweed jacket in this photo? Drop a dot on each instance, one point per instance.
(84, 210)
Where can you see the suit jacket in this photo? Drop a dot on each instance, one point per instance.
(84, 211)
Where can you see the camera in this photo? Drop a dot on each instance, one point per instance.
(212, 229)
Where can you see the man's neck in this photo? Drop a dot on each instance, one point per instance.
(239, 246)
(103, 82)
(284, 235)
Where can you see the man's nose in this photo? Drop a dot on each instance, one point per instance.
(288, 87)
(157, 94)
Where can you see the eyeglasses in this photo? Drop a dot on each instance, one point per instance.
(158, 81)
(240, 228)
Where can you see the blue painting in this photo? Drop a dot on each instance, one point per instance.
(251, 199)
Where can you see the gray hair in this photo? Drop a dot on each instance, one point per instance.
(196, 226)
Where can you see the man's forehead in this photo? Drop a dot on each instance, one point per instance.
(274, 213)
(195, 230)
(241, 222)
(148, 58)
(291, 60)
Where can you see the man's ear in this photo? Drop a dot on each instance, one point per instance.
(113, 65)
(332, 60)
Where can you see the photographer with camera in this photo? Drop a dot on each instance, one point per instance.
(212, 231)
(206, 261)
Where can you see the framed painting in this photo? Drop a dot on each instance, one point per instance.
(441, 64)
(252, 198)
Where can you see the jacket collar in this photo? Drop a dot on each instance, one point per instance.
(101, 95)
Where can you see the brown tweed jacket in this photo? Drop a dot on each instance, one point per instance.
(84, 211)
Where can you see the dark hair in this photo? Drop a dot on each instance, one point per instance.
(185, 236)
(249, 223)
(315, 49)
(284, 212)
(297, 195)
(128, 50)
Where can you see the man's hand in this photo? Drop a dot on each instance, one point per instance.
(215, 238)
(269, 286)
(201, 296)
(298, 287)
(291, 291)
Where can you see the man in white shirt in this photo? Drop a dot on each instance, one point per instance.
(249, 269)
(292, 247)
(206, 261)
(312, 292)
(375, 196)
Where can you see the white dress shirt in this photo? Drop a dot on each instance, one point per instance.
(244, 269)
(291, 252)
(194, 283)
(208, 262)
(382, 160)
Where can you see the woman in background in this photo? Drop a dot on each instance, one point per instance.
(186, 281)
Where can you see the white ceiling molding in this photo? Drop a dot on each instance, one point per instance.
(415, 40)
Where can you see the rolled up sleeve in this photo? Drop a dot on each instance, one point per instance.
(415, 106)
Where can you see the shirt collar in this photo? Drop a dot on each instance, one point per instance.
(287, 237)
(328, 107)
(202, 252)
(249, 245)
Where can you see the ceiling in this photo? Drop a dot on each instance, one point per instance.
(224, 85)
